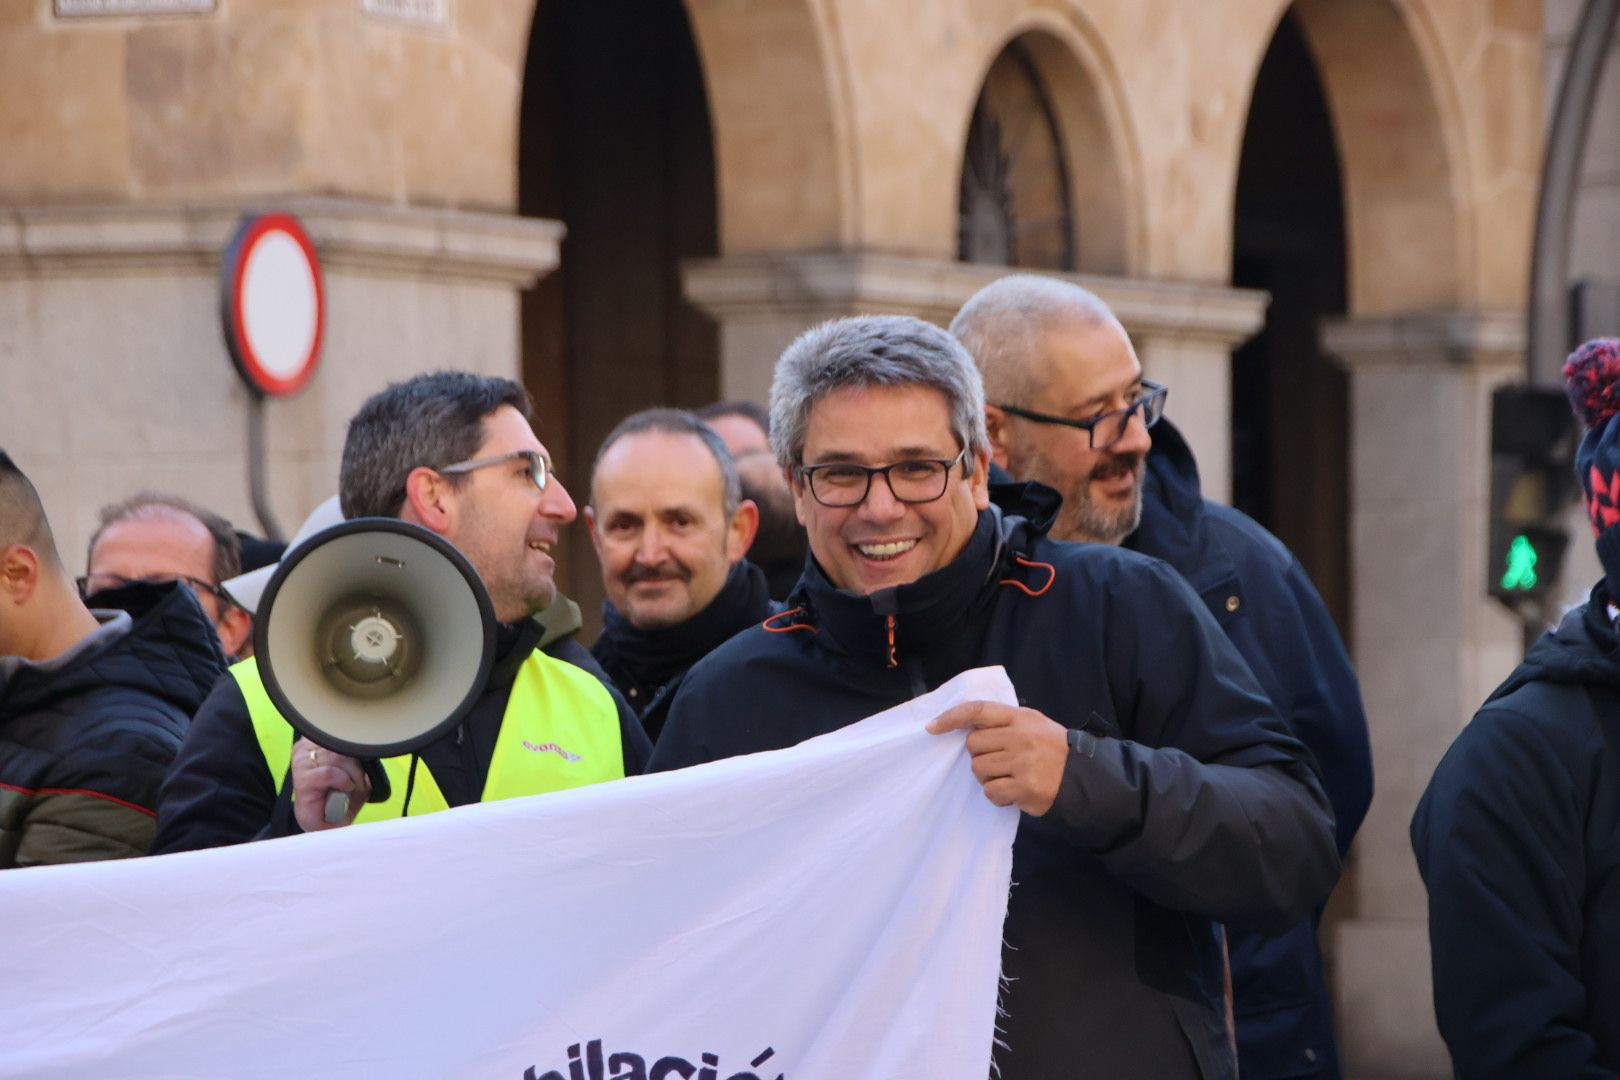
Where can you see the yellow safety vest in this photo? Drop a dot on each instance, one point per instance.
(560, 730)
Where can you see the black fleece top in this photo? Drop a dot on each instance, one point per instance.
(647, 665)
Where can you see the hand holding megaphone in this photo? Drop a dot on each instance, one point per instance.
(328, 788)
(373, 639)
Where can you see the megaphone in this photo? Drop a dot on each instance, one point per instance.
(374, 638)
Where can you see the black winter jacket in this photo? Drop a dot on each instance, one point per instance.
(1518, 839)
(1261, 597)
(647, 665)
(84, 747)
(1191, 803)
(220, 790)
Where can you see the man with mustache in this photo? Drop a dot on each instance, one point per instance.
(1061, 385)
(455, 453)
(670, 528)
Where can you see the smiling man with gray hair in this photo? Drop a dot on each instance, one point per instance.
(1161, 793)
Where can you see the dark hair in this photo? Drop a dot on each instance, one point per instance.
(748, 410)
(150, 505)
(22, 515)
(678, 422)
(435, 419)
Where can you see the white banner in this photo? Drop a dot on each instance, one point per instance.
(827, 912)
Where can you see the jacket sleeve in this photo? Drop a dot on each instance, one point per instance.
(1499, 840)
(219, 790)
(96, 806)
(1196, 795)
(1325, 711)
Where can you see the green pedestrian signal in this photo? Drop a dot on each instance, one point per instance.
(1521, 564)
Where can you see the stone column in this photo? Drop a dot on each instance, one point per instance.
(114, 367)
(1184, 333)
(1429, 643)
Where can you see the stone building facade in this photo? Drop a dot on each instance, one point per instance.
(1313, 215)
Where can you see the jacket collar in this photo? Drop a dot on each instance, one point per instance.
(1174, 527)
(927, 613)
(655, 656)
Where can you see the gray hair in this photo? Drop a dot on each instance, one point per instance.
(678, 422)
(999, 324)
(22, 515)
(151, 505)
(873, 350)
(436, 419)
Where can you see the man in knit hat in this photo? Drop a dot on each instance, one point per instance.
(1518, 834)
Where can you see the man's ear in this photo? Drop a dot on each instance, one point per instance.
(980, 481)
(235, 629)
(19, 573)
(590, 526)
(430, 501)
(742, 530)
(996, 423)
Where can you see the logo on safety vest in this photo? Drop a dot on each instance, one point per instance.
(551, 748)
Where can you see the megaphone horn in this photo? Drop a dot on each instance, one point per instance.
(374, 638)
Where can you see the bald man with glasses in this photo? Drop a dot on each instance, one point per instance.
(1067, 406)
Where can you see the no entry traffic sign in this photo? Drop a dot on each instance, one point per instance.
(273, 304)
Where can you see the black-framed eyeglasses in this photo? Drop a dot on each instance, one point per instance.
(539, 467)
(91, 584)
(1109, 428)
(918, 480)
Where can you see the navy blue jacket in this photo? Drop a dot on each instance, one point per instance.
(1518, 839)
(1190, 804)
(1260, 595)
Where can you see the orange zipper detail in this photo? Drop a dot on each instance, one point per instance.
(889, 621)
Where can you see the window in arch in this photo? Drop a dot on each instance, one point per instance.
(1015, 183)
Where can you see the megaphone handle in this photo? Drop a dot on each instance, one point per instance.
(337, 802)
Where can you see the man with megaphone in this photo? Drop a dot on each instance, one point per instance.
(367, 629)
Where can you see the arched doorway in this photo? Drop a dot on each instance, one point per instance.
(1044, 181)
(1290, 416)
(615, 142)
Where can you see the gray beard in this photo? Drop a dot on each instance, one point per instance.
(1082, 519)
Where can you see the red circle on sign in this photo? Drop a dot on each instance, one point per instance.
(274, 304)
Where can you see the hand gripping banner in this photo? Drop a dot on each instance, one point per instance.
(828, 912)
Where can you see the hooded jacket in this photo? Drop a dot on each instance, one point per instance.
(1261, 597)
(85, 742)
(1191, 802)
(1518, 840)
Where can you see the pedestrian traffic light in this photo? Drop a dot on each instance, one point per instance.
(1532, 454)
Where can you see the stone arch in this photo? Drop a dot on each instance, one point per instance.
(777, 104)
(1400, 141)
(1101, 158)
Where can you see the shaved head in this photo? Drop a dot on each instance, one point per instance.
(1002, 323)
(22, 515)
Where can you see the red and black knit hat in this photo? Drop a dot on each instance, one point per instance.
(1592, 381)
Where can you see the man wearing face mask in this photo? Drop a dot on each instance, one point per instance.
(670, 528)
(162, 538)
(1059, 374)
(93, 703)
